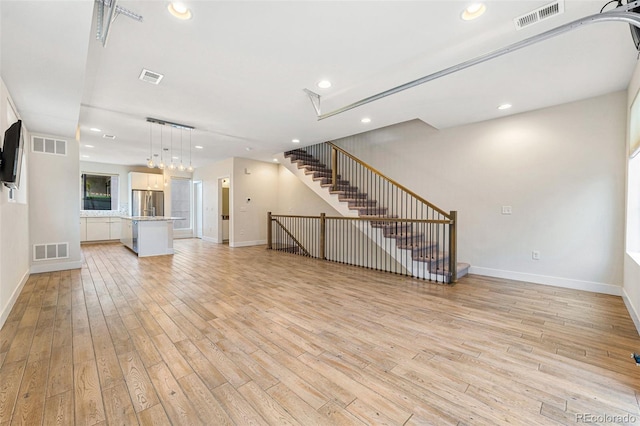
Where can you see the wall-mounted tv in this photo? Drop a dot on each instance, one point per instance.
(635, 31)
(11, 156)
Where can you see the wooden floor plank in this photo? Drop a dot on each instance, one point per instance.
(142, 393)
(219, 335)
(59, 409)
(174, 401)
(89, 408)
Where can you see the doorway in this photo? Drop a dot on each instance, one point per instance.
(197, 209)
(224, 210)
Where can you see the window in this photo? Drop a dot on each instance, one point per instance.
(99, 192)
(181, 202)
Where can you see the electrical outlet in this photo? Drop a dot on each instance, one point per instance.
(535, 255)
(506, 210)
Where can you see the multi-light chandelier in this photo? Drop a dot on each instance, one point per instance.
(161, 165)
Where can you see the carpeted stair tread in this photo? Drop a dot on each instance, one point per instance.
(367, 211)
(360, 203)
(352, 197)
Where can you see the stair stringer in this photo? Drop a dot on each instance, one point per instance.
(376, 235)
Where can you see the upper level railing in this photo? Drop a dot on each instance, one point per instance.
(394, 226)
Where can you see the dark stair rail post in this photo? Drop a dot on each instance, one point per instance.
(453, 250)
(323, 228)
(269, 232)
(334, 168)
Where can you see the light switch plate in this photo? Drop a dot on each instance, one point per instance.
(506, 210)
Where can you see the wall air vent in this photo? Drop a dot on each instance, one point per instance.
(48, 146)
(150, 76)
(539, 15)
(50, 251)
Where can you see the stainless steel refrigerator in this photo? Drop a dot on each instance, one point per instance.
(147, 203)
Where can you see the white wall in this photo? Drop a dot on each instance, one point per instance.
(248, 224)
(295, 198)
(561, 169)
(631, 291)
(54, 213)
(14, 228)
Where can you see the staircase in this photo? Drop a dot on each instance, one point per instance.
(402, 225)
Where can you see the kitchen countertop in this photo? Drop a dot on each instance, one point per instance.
(101, 213)
(151, 218)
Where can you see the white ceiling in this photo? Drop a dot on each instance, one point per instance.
(236, 71)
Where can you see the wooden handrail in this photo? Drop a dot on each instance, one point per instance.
(370, 218)
(402, 187)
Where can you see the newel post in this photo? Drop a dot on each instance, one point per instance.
(269, 234)
(453, 247)
(323, 230)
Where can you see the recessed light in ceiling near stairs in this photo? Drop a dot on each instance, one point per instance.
(179, 10)
(473, 11)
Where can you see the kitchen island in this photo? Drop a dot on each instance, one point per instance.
(148, 235)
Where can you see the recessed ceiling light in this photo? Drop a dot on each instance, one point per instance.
(198, 147)
(295, 140)
(473, 11)
(175, 157)
(108, 136)
(324, 84)
(366, 120)
(88, 146)
(179, 10)
(275, 160)
(505, 106)
(95, 129)
(249, 148)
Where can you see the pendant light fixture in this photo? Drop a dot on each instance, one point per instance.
(150, 161)
(181, 166)
(161, 164)
(190, 168)
(171, 165)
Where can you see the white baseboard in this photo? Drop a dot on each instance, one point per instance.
(6, 309)
(52, 267)
(210, 239)
(248, 243)
(549, 280)
(632, 311)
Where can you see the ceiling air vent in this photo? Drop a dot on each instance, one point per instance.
(150, 76)
(539, 15)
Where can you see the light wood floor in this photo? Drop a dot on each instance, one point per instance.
(214, 335)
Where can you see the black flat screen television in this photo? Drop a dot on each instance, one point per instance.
(11, 156)
(635, 31)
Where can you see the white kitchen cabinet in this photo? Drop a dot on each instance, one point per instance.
(146, 181)
(115, 228)
(98, 228)
(83, 229)
(101, 229)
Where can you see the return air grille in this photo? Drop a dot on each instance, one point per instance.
(150, 76)
(49, 146)
(539, 15)
(50, 251)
